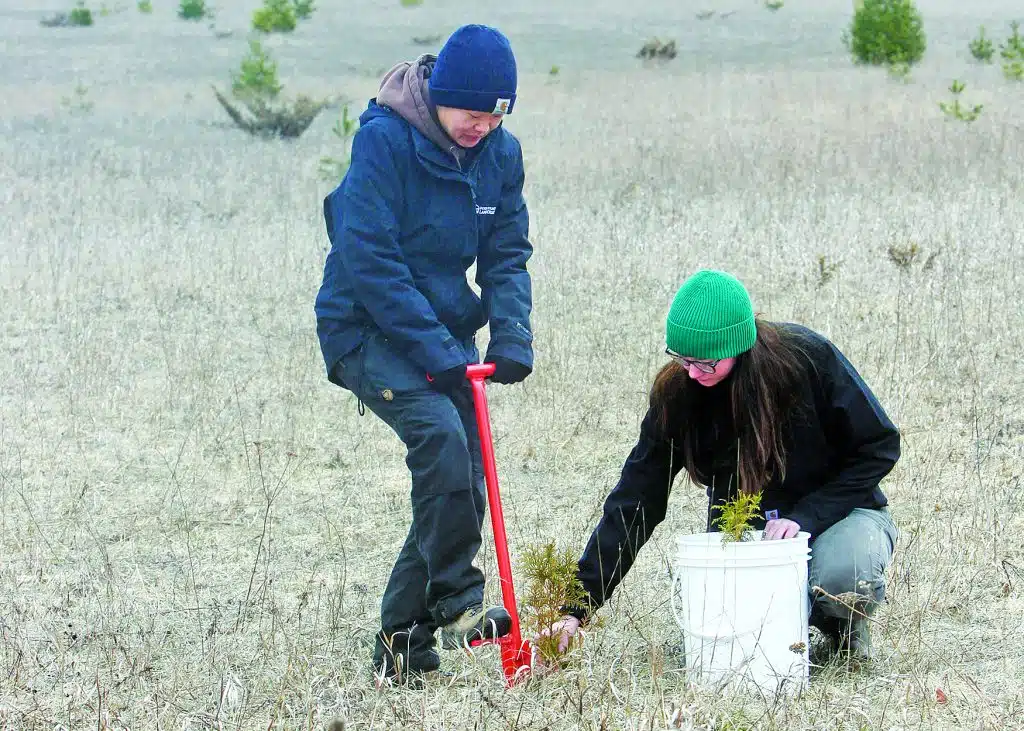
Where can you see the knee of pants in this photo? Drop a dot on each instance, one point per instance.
(838, 583)
(438, 455)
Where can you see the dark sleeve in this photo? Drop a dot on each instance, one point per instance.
(631, 511)
(505, 287)
(364, 228)
(860, 432)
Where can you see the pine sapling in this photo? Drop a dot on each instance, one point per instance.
(736, 517)
(982, 47)
(334, 168)
(956, 110)
(1012, 52)
(552, 585)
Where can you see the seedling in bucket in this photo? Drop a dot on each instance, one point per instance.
(742, 604)
(516, 654)
(735, 518)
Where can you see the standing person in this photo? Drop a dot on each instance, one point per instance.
(745, 404)
(435, 184)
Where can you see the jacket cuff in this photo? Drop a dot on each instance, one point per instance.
(438, 360)
(582, 611)
(517, 350)
(579, 612)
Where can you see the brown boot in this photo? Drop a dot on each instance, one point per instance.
(475, 624)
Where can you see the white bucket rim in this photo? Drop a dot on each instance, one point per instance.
(709, 538)
(706, 550)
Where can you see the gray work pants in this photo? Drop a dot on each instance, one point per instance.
(848, 564)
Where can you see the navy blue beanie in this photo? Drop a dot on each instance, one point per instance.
(475, 70)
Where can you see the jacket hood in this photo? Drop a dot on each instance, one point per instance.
(404, 89)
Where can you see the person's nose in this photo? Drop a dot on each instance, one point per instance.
(694, 372)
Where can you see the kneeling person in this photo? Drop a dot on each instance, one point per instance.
(749, 405)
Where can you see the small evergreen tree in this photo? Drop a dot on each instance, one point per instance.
(192, 9)
(257, 75)
(1012, 52)
(982, 47)
(886, 33)
(275, 16)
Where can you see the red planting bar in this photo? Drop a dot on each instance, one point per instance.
(516, 655)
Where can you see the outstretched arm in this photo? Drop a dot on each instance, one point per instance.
(632, 510)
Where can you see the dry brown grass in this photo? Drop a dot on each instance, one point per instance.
(195, 527)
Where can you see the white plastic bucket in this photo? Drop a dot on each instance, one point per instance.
(743, 609)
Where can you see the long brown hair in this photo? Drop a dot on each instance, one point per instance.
(762, 389)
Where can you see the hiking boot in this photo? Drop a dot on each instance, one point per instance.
(855, 640)
(849, 639)
(398, 662)
(475, 624)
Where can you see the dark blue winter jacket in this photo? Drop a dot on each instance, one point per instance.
(406, 224)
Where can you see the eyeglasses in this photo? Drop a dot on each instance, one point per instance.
(704, 366)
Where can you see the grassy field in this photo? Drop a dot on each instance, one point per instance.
(196, 528)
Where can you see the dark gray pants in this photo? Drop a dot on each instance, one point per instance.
(848, 561)
(433, 579)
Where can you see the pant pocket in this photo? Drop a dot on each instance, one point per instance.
(388, 370)
(347, 371)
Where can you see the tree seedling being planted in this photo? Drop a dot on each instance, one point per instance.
(552, 585)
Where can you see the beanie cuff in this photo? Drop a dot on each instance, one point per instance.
(727, 342)
(488, 102)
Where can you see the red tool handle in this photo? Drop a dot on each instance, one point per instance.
(516, 655)
(480, 371)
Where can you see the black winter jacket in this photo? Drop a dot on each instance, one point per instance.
(839, 445)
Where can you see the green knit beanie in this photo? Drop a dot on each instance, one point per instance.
(711, 317)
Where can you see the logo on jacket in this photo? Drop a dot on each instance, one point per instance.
(485, 210)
